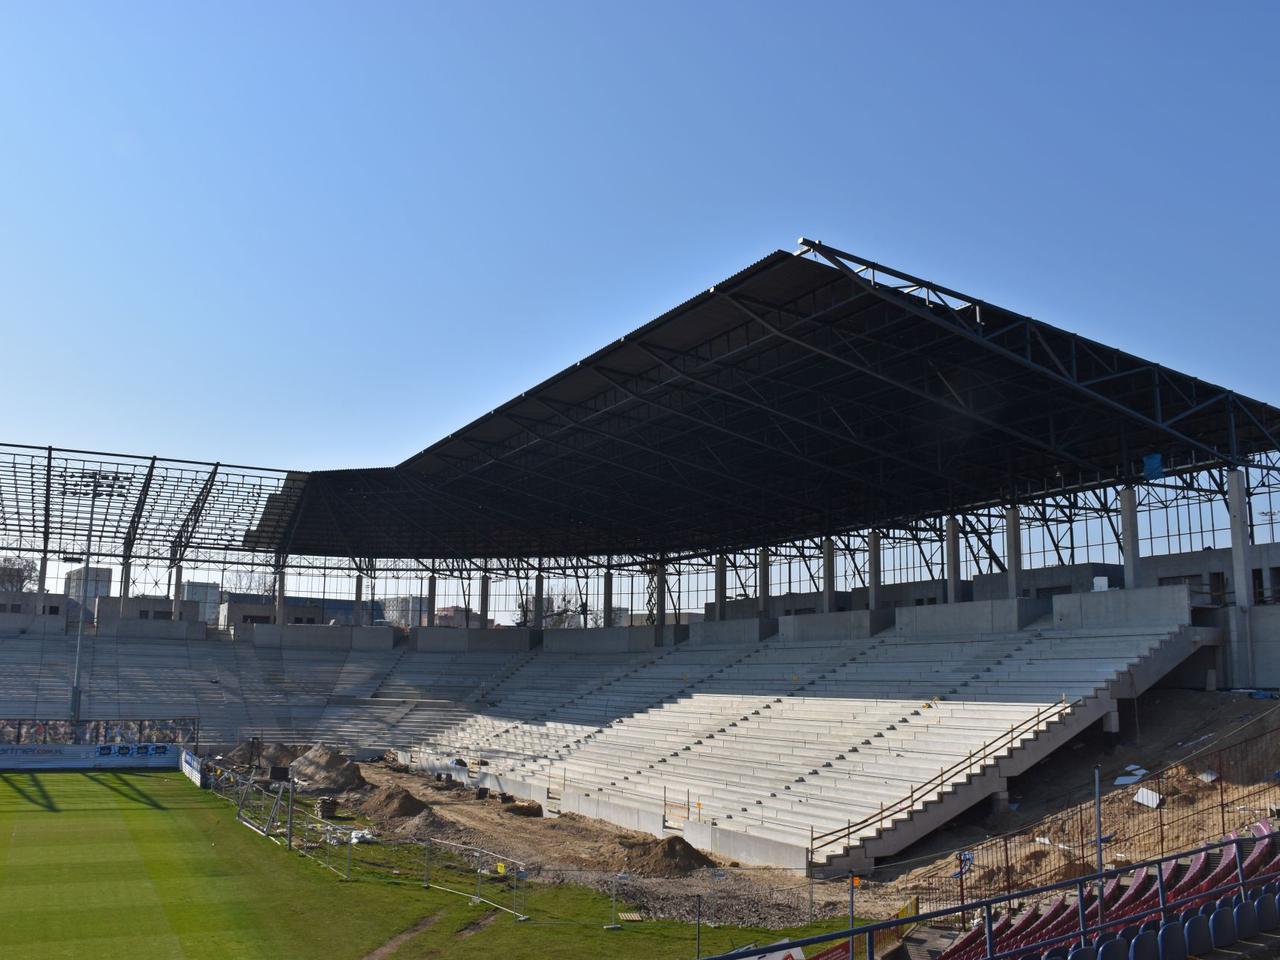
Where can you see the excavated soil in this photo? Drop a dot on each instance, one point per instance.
(321, 768)
(267, 754)
(669, 857)
(391, 802)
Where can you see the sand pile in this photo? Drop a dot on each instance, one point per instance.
(392, 803)
(670, 857)
(323, 769)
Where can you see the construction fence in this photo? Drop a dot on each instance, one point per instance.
(1228, 787)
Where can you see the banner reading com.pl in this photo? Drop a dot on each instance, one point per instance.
(82, 756)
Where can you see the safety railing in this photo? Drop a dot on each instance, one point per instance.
(1164, 909)
(974, 762)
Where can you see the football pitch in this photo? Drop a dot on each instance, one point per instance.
(144, 866)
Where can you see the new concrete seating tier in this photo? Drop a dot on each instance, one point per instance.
(802, 734)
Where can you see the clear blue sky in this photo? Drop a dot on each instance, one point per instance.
(322, 235)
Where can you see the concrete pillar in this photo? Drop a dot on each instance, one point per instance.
(762, 581)
(484, 600)
(357, 612)
(1000, 798)
(1129, 536)
(607, 599)
(873, 570)
(1240, 657)
(951, 557)
(431, 600)
(722, 586)
(42, 580)
(280, 587)
(660, 603)
(537, 603)
(1111, 726)
(828, 575)
(177, 592)
(1013, 551)
(126, 571)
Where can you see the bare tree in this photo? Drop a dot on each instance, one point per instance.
(16, 573)
(259, 582)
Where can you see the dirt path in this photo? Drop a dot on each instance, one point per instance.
(400, 939)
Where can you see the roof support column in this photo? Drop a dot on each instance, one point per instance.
(484, 600)
(177, 592)
(722, 586)
(1129, 545)
(431, 601)
(762, 580)
(280, 594)
(828, 575)
(537, 602)
(1013, 550)
(357, 611)
(873, 570)
(659, 603)
(951, 556)
(607, 598)
(1240, 655)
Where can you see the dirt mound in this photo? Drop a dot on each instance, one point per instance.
(424, 825)
(669, 857)
(266, 754)
(523, 808)
(392, 803)
(323, 769)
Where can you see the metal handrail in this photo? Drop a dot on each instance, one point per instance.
(984, 908)
(1004, 742)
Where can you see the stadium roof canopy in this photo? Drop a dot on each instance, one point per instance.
(809, 394)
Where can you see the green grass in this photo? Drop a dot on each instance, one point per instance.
(107, 865)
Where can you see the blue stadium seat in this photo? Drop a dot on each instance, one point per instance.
(1226, 903)
(1030, 956)
(1129, 932)
(1207, 909)
(1196, 936)
(1268, 914)
(1083, 953)
(1173, 945)
(1246, 917)
(1057, 953)
(1187, 914)
(1144, 946)
(1152, 925)
(1114, 949)
(1222, 928)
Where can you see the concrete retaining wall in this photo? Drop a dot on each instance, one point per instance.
(744, 847)
(32, 625)
(371, 638)
(1150, 606)
(648, 821)
(472, 639)
(598, 640)
(977, 616)
(834, 627)
(153, 629)
(1264, 632)
(748, 630)
(1043, 582)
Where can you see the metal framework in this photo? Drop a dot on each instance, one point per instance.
(811, 395)
(806, 396)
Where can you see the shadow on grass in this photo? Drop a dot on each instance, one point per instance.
(34, 792)
(123, 787)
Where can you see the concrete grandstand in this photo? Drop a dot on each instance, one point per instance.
(931, 541)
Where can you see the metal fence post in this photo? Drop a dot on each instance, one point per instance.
(289, 823)
(1084, 916)
(1161, 892)
(988, 933)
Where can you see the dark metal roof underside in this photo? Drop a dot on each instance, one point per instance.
(806, 395)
